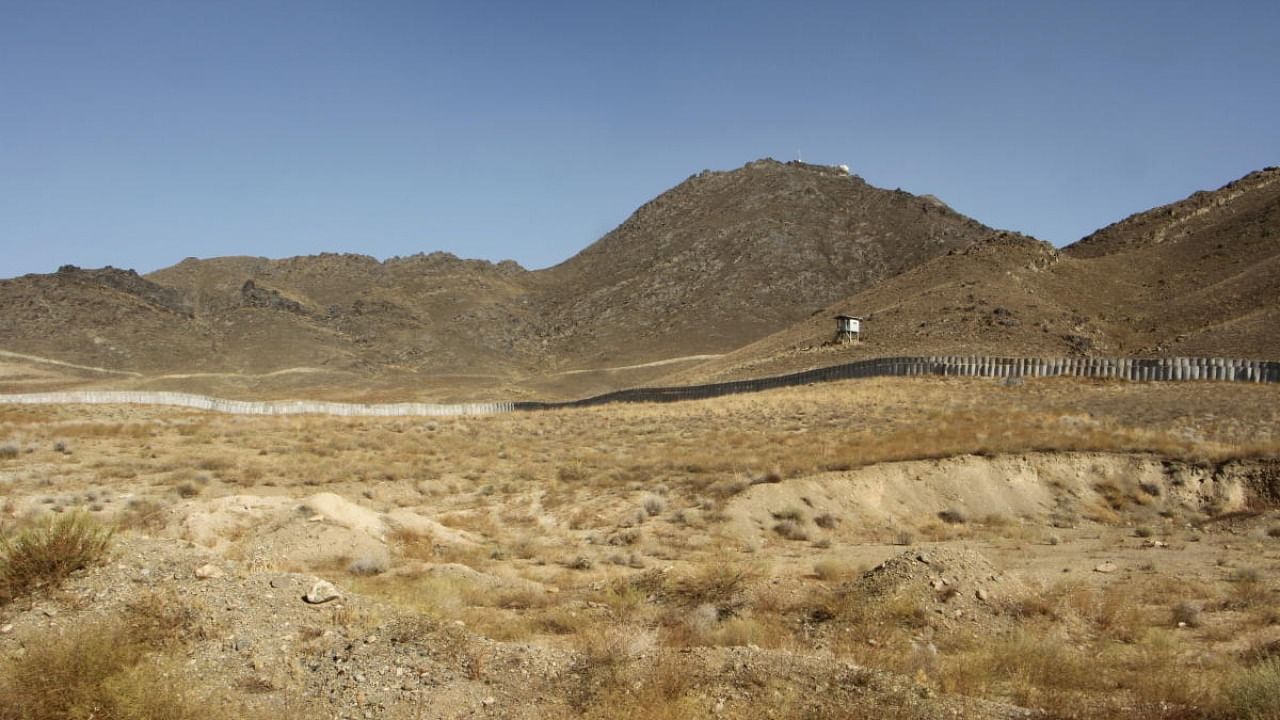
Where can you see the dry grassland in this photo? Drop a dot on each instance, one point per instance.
(719, 558)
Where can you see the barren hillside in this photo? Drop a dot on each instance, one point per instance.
(726, 257)
(1197, 277)
(717, 262)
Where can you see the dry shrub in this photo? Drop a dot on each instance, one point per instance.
(1186, 613)
(44, 555)
(791, 530)
(102, 670)
(9, 451)
(654, 505)
(658, 691)
(722, 584)
(412, 545)
(833, 570)
(162, 619)
(367, 565)
(142, 515)
(603, 659)
(1247, 590)
(827, 521)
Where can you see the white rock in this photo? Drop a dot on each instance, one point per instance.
(322, 592)
(1106, 567)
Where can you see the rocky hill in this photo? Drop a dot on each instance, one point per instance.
(1199, 276)
(751, 262)
(719, 261)
(726, 257)
(1196, 277)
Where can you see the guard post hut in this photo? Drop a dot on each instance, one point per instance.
(848, 328)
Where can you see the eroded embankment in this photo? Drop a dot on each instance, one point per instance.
(1059, 489)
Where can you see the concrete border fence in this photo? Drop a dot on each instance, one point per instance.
(1132, 369)
(242, 407)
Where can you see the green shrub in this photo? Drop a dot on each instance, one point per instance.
(44, 555)
(1255, 695)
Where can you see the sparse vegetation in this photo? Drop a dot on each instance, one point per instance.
(43, 556)
(367, 565)
(1255, 693)
(654, 505)
(552, 530)
(1186, 614)
(791, 530)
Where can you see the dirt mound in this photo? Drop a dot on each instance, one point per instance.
(954, 582)
(281, 532)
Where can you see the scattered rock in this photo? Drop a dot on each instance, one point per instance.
(1106, 567)
(981, 594)
(322, 592)
(6, 628)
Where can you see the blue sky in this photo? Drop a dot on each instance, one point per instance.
(138, 133)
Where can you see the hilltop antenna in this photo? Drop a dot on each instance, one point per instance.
(799, 156)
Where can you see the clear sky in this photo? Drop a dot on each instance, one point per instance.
(138, 133)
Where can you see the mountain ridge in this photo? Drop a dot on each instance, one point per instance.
(745, 264)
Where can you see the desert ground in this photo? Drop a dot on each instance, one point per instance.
(912, 548)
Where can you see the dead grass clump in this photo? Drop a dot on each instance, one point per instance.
(143, 515)
(161, 619)
(654, 505)
(602, 658)
(833, 570)
(367, 565)
(103, 670)
(44, 555)
(721, 584)
(9, 451)
(187, 490)
(952, 516)
(826, 521)
(412, 545)
(791, 530)
(1186, 614)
